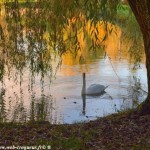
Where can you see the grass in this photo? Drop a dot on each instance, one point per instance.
(126, 130)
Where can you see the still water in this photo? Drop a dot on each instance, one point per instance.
(120, 95)
(61, 102)
(30, 92)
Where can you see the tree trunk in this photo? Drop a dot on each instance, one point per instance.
(146, 105)
(141, 10)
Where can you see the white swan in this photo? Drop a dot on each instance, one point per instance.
(93, 89)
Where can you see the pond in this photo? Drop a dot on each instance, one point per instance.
(43, 96)
(62, 101)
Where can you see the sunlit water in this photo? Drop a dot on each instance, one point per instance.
(63, 100)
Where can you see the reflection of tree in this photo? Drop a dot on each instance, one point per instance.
(41, 109)
(20, 113)
(2, 105)
(84, 104)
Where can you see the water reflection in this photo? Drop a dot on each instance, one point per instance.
(41, 109)
(61, 100)
(36, 41)
(117, 96)
(84, 104)
(2, 106)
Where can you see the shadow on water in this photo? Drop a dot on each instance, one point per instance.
(84, 97)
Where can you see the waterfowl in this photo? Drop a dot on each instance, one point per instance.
(93, 89)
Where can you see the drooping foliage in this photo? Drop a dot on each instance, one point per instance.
(36, 34)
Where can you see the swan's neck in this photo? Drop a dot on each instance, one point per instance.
(84, 85)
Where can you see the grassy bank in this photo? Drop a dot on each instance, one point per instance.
(120, 131)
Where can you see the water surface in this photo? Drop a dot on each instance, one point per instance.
(33, 85)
